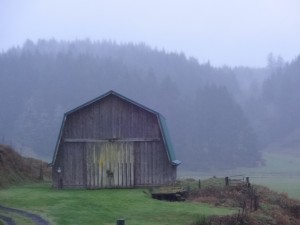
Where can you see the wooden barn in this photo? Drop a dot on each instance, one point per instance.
(113, 142)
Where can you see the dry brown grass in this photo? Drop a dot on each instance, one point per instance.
(15, 169)
(273, 208)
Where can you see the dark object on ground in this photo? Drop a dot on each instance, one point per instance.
(169, 194)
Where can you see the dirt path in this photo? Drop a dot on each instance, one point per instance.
(38, 220)
(7, 220)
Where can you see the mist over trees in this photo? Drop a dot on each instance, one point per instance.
(280, 100)
(217, 117)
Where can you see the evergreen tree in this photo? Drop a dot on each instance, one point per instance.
(223, 132)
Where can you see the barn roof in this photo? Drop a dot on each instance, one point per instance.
(161, 119)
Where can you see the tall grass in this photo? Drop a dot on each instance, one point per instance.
(202, 220)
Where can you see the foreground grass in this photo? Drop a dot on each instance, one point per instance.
(104, 206)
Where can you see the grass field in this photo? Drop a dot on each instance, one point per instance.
(104, 207)
(280, 173)
(96, 207)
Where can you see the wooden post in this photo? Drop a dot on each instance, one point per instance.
(199, 184)
(61, 183)
(248, 182)
(120, 222)
(60, 180)
(41, 175)
(251, 199)
(255, 202)
(226, 181)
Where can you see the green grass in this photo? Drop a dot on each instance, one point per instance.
(281, 173)
(291, 186)
(103, 206)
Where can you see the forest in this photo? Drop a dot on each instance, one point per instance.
(218, 117)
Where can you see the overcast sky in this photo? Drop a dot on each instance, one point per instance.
(231, 32)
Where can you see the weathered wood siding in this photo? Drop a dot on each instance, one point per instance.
(112, 143)
(112, 117)
(74, 165)
(72, 162)
(152, 166)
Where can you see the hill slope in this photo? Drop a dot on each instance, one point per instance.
(50, 78)
(14, 169)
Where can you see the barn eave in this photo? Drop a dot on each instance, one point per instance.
(167, 140)
(58, 140)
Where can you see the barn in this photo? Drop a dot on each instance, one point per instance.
(113, 142)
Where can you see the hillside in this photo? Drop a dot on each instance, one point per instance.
(207, 125)
(218, 118)
(15, 169)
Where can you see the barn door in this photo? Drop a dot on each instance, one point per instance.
(110, 164)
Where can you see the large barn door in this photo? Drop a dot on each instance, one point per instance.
(110, 164)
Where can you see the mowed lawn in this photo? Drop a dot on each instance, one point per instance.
(282, 173)
(96, 207)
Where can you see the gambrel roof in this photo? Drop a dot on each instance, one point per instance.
(161, 119)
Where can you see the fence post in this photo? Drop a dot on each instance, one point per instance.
(41, 176)
(256, 204)
(121, 222)
(248, 182)
(226, 181)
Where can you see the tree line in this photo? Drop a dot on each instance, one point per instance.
(217, 117)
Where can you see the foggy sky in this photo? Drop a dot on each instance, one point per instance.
(231, 32)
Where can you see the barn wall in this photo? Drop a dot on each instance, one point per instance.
(112, 143)
(152, 166)
(111, 117)
(72, 162)
(74, 165)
